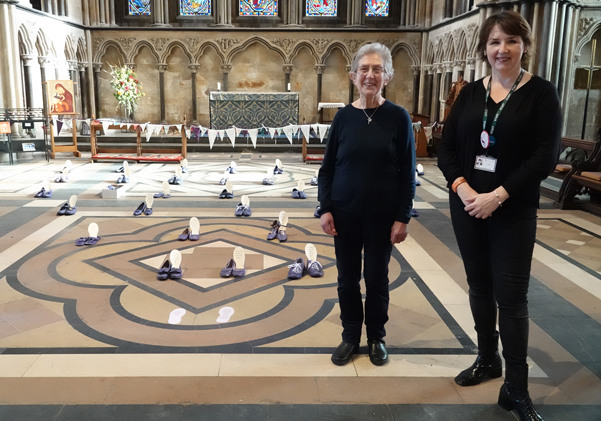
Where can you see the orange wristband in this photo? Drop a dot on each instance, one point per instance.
(456, 183)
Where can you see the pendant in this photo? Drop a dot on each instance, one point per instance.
(368, 120)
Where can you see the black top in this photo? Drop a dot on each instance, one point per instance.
(369, 168)
(527, 133)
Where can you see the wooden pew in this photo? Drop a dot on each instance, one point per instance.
(583, 178)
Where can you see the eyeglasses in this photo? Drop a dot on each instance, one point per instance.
(376, 70)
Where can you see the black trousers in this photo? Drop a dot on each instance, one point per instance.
(497, 255)
(372, 235)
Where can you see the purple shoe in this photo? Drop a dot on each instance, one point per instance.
(239, 210)
(163, 273)
(414, 213)
(81, 241)
(315, 269)
(297, 269)
(237, 272)
(184, 235)
(226, 272)
(140, 209)
(275, 227)
(295, 193)
(63, 209)
(317, 212)
(282, 236)
(70, 210)
(246, 211)
(157, 195)
(148, 211)
(175, 273)
(40, 193)
(47, 193)
(302, 195)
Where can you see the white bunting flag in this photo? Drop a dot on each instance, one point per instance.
(314, 127)
(105, 126)
(238, 131)
(123, 125)
(253, 136)
(272, 131)
(142, 127)
(221, 134)
(306, 129)
(231, 133)
(203, 130)
(212, 134)
(288, 132)
(323, 129)
(188, 133)
(149, 131)
(178, 127)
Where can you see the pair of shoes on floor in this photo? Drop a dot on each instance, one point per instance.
(313, 181)
(44, 193)
(226, 194)
(120, 169)
(162, 195)
(268, 181)
(191, 233)
(277, 232)
(377, 352)
(298, 269)
(223, 181)
(171, 267)
(143, 209)
(344, 352)
(66, 209)
(123, 179)
(232, 168)
(86, 241)
(298, 194)
(235, 266)
(243, 208)
(61, 179)
(278, 170)
(175, 179)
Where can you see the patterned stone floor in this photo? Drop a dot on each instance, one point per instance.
(90, 333)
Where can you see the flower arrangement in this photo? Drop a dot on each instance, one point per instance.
(128, 89)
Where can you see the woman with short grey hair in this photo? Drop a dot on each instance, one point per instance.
(366, 188)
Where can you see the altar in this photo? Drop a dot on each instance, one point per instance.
(249, 110)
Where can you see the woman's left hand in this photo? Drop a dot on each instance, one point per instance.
(398, 233)
(482, 205)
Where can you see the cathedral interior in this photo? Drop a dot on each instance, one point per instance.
(89, 333)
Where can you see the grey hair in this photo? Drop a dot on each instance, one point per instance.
(375, 48)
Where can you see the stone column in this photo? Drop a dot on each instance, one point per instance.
(162, 67)
(223, 13)
(27, 60)
(351, 87)
(293, 14)
(403, 13)
(526, 11)
(448, 79)
(55, 7)
(193, 70)
(226, 69)
(10, 64)
(47, 6)
(448, 9)
(355, 14)
(97, 69)
(536, 22)
(85, 12)
(287, 68)
(319, 68)
(416, 72)
(547, 38)
(83, 89)
(165, 13)
(101, 13)
(111, 20)
(427, 103)
(44, 62)
(560, 36)
(566, 53)
(61, 7)
(471, 64)
(435, 109)
(412, 18)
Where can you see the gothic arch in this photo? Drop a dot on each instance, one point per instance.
(69, 48)
(136, 50)
(472, 39)
(587, 36)
(410, 50)
(41, 44)
(460, 44)
(249, 42)
(430, 53)
(171, 46)
(341, 47)
(204, 46)
(449, 50)
(82, 52)
(297, 49)
(26, 45)
(102, 51)
(438, 52)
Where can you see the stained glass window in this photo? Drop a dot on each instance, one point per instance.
(376, 7)
(322, 7)
(258, 7)
(195, 7)
(139, 7)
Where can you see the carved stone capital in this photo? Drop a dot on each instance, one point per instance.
(287, 68)
(82, 67)
(162, 67)
(460, 64)
(348, 68)
(72, 64)
(226, 68)
(97, 67)
(194, 68)
(416, 69)
(471, 62)
(44, 61)
(27, 59)
(131, 65)
(319, 68)
(430, 69)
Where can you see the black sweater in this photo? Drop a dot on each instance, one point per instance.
(369, 168)
(527, 133)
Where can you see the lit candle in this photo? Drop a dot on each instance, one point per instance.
(218, 86)
(288, 86)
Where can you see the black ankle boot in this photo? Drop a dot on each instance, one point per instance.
(488, 364)
(519, 403)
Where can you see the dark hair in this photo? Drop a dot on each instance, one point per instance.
(512, 23)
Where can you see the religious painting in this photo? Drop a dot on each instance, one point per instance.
(376, 8)
(4, 127)
(258, 7)
(60, 97)
(195, 7)
(322, 7)
(139, 7)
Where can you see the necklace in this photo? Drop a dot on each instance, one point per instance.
(369, 118)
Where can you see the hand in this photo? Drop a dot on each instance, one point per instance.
(465, 193)
(327, 223)
(398, 232)
(482, 205)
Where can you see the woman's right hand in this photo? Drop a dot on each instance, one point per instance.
(466, 193)
(327, 223)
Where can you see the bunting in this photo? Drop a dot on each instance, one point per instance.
(212, 134)
(231, 133)
(253, 136)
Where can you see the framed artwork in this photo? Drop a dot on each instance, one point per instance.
(60, 97)
(4, 127)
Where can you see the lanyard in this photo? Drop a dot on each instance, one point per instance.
(494, 122)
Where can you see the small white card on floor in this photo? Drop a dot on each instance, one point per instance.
(485, 163)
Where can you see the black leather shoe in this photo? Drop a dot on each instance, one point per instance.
(481, 370)
(377, 352)
(344, 353)
(519, 404)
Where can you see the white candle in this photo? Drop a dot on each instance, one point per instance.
(288, 86)
(218, 86)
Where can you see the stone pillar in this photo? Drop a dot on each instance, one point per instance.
(61, 7)
(10, 64)
(526, 11)
(536, 22)
(566, 52)
(162, 67)
(471, 70)
(287, 68)
(319, 68)
(193, 70)
(55, 7)
(27, 60)
(226, 69)
(560, 37)
(85, 12)
(165, 13)
(355, 14)
(416, 72)
(448, 9)
(547, 38)
(101, 13)
(435, 109)
(411, 16)
(44, 62)
(427, 103)
(223, 13)
(83, 89)
(448, 79)
(351, 87)
(97, 69)
(112, 13)
(403, 13)
(47, 6)
(293, 14)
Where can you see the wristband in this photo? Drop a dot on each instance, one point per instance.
(498, 199)
(456, 183)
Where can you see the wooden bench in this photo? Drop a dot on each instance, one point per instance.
(583, 178)
(580, 151)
